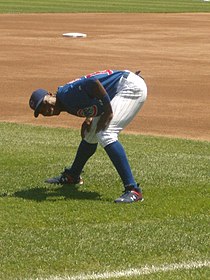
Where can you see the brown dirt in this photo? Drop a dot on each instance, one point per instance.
(172, 50)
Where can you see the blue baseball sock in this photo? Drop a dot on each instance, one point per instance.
(118, 157)
(84, 152)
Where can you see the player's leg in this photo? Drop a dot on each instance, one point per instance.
(109, 140)
(125, 105)
(71, 175)
(84, 152)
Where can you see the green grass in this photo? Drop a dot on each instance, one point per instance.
(111, 6)
(51, 230)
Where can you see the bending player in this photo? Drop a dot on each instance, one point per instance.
(108, 100)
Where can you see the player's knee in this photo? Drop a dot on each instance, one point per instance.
(105, 138)
(91, 138)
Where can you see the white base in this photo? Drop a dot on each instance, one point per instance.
(75, 35)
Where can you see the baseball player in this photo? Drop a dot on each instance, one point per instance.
(108, 100)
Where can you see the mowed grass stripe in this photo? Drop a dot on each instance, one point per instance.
(119, 6)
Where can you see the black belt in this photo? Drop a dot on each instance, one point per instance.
(125, 75)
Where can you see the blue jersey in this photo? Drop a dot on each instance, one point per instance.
(75, 96)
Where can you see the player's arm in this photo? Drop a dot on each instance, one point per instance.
(85, 126)
(99, 92)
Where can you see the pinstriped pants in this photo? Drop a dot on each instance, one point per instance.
(130, 97)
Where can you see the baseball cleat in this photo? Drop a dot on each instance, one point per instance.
(131, 194)
(65, 179)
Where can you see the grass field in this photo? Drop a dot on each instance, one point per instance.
(117, 6)
(49, 231)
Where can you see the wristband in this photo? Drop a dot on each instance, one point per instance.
(105, 99)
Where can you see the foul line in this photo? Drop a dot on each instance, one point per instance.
(133, 272)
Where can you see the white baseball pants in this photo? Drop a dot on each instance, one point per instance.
(130, 97)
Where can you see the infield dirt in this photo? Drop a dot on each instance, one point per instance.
(171, 50)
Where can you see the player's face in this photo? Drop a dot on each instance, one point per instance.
(48, 107)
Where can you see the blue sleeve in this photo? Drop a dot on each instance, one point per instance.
(89, 86)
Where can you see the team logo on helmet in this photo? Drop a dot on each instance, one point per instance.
(88, 111)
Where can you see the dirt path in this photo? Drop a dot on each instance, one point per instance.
(172, 50)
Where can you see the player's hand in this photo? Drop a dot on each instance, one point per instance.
(86, 125)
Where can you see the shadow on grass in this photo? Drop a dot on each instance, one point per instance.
(54, 194)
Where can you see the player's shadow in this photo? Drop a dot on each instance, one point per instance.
(53, 194)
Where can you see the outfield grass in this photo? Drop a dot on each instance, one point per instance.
(50, 230)
(117, 6)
